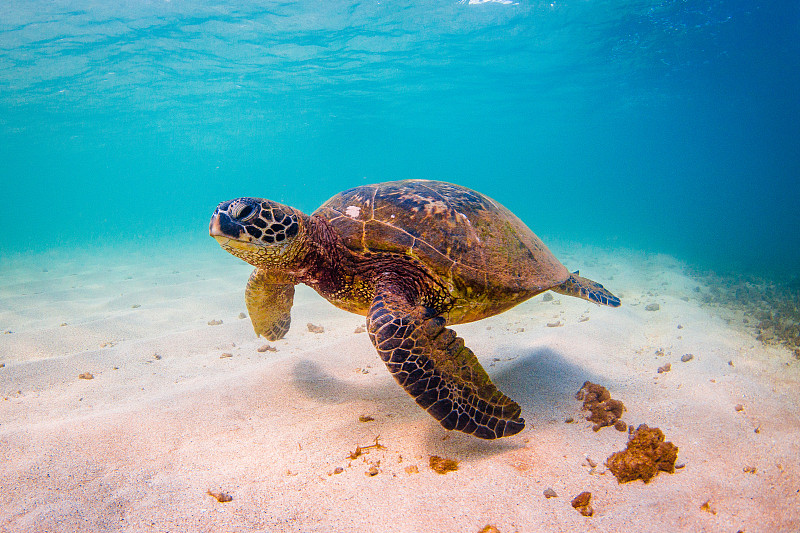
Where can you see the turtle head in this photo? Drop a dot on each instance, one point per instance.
(261, 232)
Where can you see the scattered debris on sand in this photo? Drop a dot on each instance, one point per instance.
(221, 497)
(645, 456)
(550, 493)
(361, 449)
(707, 507)
(266, 348)
(605, 411)
(86, 375)
(360, 329)
(652, 307)
(314, 328)
(771, 308)
(214, 322)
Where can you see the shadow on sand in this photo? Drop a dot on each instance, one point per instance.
(542, 381)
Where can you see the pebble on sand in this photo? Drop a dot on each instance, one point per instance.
(583, 503)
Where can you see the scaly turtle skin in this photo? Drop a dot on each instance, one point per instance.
(412, 256)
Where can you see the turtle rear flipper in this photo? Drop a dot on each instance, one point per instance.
(269, 303)
(432, 364)
(587, 289)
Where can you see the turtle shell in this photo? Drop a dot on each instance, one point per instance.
(474, 245)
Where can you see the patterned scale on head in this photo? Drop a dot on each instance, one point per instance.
(242, 224)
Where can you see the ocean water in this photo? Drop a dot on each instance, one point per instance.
(666, 126)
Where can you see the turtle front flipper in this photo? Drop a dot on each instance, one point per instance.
(432, 364)
(269, 301)
(586, 289)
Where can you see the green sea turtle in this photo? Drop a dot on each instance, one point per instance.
(413, 256)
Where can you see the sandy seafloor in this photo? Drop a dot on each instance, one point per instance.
(166, 419)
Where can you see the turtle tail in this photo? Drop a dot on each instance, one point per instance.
(586, 289)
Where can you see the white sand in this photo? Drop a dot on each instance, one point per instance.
(165, 419)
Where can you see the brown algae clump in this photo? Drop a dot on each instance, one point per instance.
(441, 465)
(605, 411)
(645, 456)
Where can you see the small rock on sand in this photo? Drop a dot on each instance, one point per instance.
(315, 329)
(652, 307)
(583, 503)
(687, 357)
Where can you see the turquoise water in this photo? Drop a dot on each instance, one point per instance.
(667, 126)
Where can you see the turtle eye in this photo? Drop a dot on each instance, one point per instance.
(242, 211)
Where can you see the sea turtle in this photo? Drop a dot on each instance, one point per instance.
(413, 256)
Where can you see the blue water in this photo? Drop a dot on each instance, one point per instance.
(668, 126)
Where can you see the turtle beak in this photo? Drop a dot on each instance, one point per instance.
(227, 233)
(214, 228)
